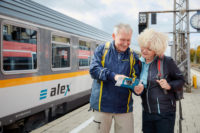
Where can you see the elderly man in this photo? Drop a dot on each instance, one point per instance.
(108, 65)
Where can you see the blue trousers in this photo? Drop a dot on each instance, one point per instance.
(158, 123)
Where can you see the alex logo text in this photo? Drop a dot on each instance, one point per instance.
(54, 91)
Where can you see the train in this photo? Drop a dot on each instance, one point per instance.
(45, 57)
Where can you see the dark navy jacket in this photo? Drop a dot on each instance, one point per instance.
(111, 98)
(154, 100)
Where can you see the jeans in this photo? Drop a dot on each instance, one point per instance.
(158, 123)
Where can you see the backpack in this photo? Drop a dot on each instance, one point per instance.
(179, 92)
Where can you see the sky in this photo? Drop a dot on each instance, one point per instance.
(105, 14)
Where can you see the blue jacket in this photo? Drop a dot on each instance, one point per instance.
(111, 98)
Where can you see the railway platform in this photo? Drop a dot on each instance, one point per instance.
(80, 120)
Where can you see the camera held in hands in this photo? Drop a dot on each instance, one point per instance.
(127, 82)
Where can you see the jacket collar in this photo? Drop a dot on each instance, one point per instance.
(142, 59)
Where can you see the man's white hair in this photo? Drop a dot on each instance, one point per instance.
(125, 27)
(155, 41)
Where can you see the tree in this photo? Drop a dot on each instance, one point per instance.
(198, 54)
(192, 54)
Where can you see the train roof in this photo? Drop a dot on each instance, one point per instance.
(36, 13)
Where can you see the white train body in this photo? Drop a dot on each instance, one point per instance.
(45, 58)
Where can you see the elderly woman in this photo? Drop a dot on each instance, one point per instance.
(158, 101)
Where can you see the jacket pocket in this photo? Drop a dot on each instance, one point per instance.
(165, 103)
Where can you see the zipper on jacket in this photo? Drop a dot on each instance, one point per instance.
(118, 58)
(158, 105)
(101, 73)
(147, 95)
(172, 102)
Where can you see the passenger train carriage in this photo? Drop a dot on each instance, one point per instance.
(45, 58)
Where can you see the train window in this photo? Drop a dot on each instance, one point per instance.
(84, 53)
(60, 52)
(19, 50)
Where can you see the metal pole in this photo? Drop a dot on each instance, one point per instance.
(174, 33)
(188, 89)
(181, 39)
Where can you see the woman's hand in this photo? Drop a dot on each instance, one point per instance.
(139, 88)
(163, 83)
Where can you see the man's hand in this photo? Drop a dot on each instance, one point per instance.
(139, 88)
(163, 83)
(117, 76)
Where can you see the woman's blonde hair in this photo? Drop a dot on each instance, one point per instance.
(155, 41)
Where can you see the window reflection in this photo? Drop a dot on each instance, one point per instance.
(60, 52)
(84, 53)
(19, 48)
